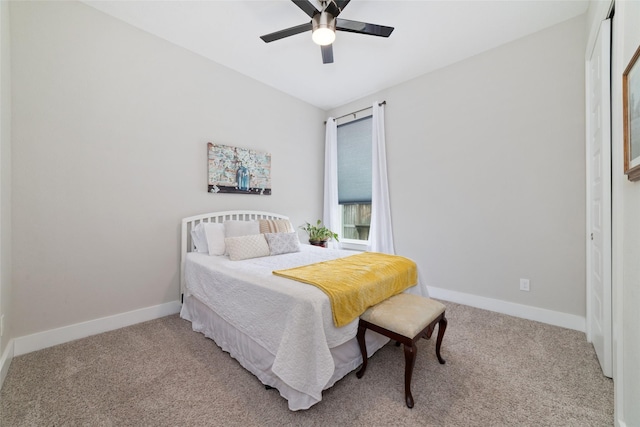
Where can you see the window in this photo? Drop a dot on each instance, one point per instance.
(354, 178)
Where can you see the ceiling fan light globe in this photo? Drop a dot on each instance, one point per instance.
(323, 28)
(323, 36)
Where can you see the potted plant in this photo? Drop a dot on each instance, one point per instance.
(319, 235)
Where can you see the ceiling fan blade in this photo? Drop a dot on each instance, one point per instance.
(335, 7)
(286, 32)
(332, 8)
(363, 28)
(327, 54)
(342, 4)
(307, 7)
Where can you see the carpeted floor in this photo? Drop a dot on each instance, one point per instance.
(500, 371)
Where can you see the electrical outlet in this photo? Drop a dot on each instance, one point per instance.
(524, 285)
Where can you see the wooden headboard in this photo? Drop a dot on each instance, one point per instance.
(186, 244)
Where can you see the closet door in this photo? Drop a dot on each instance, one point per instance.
(599, 316)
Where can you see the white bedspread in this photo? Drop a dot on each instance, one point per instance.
(291, 320)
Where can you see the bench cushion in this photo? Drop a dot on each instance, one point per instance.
(404, 314)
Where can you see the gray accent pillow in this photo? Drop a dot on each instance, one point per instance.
(282, 243)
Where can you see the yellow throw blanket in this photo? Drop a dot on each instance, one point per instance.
(357, 282)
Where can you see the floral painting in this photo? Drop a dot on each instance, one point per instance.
(238, 170)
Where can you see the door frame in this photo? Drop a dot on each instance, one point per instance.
(597, 12)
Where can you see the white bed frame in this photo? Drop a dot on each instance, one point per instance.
(189, 223)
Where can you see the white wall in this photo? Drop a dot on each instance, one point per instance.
(110, 128)
(5, 179)
(626, 264)
(486, 171)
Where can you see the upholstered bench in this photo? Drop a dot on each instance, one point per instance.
(404, 318)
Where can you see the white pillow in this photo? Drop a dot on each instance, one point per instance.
(282, 243)
(236, 228)
(245, 247)
(199, 238)
(214, 232)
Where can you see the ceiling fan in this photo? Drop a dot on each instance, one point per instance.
(324, 24)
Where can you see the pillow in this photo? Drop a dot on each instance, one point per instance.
(275, 226)
(199, 238)
(236, 228)
(282, 243)
(245, 247)
(214, 232)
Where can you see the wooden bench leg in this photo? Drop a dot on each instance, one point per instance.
(442, 326)
(410, 352)
(363, 348)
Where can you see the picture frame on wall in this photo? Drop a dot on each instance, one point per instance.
(631, 114)
(238, 170)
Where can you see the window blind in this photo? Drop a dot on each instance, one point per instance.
(354, 161)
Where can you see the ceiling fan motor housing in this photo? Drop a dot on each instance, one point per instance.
(323, 28)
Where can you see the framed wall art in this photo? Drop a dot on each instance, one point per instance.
(631, 112)
(238, 170)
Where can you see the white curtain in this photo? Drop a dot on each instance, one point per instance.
(331, 212)
(380, 230)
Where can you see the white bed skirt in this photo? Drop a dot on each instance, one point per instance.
(258, 361)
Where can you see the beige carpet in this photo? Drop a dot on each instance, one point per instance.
(500, 371)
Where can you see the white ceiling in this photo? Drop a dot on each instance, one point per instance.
(428, 35)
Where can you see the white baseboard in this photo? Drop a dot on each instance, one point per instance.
(556, 318)
(5, 361)
(40, 340)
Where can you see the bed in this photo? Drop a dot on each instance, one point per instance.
(280, 330)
